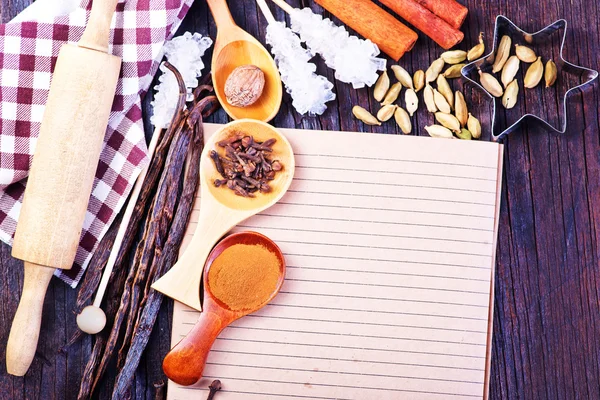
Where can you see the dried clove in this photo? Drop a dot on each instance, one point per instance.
(246, 167)
(214, 387)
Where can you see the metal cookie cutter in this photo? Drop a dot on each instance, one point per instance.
(504, 26)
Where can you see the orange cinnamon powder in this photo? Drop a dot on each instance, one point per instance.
(244, 276)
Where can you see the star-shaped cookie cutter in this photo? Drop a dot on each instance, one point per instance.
(505, 26)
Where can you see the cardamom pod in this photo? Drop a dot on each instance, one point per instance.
(386, 112)
(454, 56)
(428, 97)
(419, 80)
(464, 134)
(381, 86)
(525, 54)
(510, 70)
(460, 108)
(403, 76)
(439, 131)
(477, 50)
(448, 120)
(534, 74)
(490, 83)
(440, 102)
(453, 71)
(365, 116)
(444, 88)
(412, 101)
(392, 94)
(510, 95)
(403, 120)
(434, 70)
(474, 126)
(551, 73)
(502, 53)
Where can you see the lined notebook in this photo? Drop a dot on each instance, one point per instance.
(390, 244)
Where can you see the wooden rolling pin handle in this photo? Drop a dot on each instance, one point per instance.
(97, 32)
(25, 330)
(185, 363)
(221, 14)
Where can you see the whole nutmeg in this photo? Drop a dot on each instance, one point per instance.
(244, 85)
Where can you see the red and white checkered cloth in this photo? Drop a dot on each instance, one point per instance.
(28, 52)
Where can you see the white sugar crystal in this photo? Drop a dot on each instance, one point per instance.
(355, 60)
(309, 91)
(184, 53)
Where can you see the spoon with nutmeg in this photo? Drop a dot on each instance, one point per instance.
(254, 86)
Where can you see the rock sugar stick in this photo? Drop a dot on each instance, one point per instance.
(354, 60)
(371, 21)
(309, 91)
(426, 21)
(450, 11)
(62, 173)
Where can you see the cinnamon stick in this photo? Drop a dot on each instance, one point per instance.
(426, 21)
(450, 11)
(371, 21)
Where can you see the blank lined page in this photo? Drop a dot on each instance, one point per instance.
(389, 243)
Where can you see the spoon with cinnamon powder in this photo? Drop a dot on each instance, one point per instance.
(242, 274)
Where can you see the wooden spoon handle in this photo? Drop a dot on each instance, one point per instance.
(96, 33)
(25, 330)
(221, 14)
(182, 282)
(184, 364)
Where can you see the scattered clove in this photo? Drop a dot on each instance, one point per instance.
(214, 387)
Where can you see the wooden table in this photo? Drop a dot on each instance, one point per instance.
(547, 304)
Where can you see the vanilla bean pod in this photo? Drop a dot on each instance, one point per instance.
(153, 250)
(93, 275)
(152, 303)
(124, 305)
(150, 182)
(113, 296)
(94, 271)
(160, 390)
(162, 215)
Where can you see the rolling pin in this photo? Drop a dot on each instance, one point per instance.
(62, 174)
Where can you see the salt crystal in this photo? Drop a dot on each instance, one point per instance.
(354, 60)
(308, 90)
(184, 53)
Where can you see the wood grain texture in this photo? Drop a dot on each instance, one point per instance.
(547, 307)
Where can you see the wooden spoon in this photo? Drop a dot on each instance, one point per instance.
(221, 209)
(184, 364)
(235, 47)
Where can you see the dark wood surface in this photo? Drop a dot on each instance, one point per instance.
(547, 290)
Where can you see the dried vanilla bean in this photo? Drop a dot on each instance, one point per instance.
(94, 270)
(167, 255)
(97, 368)
(160, 390)
(124, 307)
(113, 296)
(162, 214)
(91, 279)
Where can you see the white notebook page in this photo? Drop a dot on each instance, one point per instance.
(389, 243)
